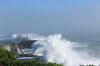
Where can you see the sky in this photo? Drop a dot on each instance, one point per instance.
(49, 16)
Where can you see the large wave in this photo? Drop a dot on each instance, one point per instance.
(56, 49)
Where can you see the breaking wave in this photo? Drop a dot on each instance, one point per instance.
(54, 48)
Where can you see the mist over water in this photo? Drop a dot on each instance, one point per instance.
(55, 48)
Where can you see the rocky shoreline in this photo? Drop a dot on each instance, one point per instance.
(22, 50)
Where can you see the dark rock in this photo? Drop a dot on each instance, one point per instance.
(27, 43)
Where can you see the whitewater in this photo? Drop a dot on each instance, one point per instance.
(54, 48)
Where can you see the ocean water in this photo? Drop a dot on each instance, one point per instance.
(91, 41)
(69, 50)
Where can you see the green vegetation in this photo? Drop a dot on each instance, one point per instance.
(6, 55)
(26, 63)
(8, 59)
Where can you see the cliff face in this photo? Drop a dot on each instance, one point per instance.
(17, 48)
(12, 47)
(21, 51)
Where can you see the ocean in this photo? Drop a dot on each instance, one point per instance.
(69, 50)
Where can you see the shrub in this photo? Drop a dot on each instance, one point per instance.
(26, 63)
(6, 55)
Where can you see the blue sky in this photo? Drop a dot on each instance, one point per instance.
(49, 16)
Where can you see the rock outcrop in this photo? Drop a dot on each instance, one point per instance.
(26, 43)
